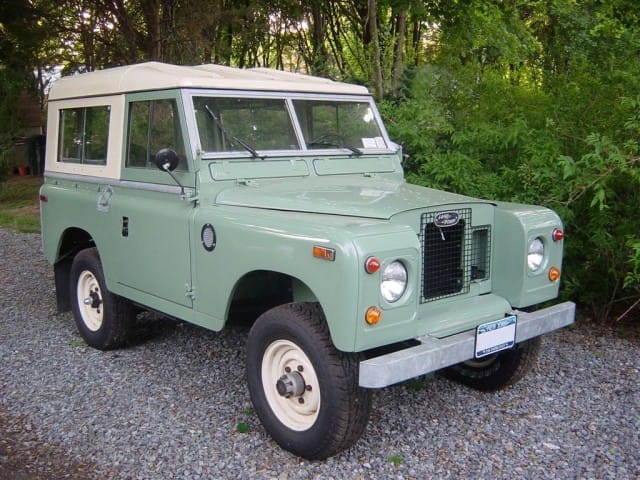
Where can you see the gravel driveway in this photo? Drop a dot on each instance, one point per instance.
(170, 406)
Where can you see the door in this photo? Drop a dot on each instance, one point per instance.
(153, 216)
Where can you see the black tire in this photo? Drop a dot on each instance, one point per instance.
(328, 411)
(104, 320)
(497, 371)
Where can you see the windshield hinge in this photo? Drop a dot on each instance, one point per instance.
(194, 197)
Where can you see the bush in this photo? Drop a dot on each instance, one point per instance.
(520, 143)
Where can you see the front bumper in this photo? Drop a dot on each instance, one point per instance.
(435, 353)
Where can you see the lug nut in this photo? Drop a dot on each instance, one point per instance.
(300, 400)
(300, 368)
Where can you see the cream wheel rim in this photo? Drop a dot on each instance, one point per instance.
(299, 410)
(89, 298)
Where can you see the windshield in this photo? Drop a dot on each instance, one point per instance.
(231, 124)
(330, 123)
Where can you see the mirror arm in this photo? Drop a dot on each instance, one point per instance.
(165, 167)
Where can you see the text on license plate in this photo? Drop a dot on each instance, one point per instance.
(494, 336)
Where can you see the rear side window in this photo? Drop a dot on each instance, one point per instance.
(84, 133)
(153, 125)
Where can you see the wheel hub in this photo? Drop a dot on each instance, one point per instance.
(291, 384)
(93, 300)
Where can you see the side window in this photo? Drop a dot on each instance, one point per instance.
(153, 124)
(84, 134)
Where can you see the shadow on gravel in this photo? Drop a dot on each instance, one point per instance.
(23, 456)
(152, 327)
(155, 327)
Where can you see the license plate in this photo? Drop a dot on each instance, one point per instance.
(494, 336)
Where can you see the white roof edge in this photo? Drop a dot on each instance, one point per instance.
(158, 76)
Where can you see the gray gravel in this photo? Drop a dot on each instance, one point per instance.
(169, 406)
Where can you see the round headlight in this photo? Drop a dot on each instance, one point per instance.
(535, 254)
(394, 281)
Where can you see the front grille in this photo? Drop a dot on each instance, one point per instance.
(452, 256)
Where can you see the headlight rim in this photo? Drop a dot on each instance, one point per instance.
(393, 295)
(536, 255)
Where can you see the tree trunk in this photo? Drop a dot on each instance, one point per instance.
(319, 55)
(151, 13)
(398, 58)
(376, 60)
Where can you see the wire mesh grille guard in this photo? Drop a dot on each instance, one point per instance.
(453, 253)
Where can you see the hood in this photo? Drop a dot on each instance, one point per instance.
(352, 196)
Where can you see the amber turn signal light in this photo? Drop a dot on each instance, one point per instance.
(324, 253)
(373, 315)
(554, 274)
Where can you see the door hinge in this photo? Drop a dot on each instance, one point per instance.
(190, 291)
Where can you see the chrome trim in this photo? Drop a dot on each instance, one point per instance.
(74, 177)
(155, 187)
(435, 353)
(136, 185)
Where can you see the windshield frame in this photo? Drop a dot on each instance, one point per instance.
(288, 98)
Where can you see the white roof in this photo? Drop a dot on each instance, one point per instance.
(158, 76)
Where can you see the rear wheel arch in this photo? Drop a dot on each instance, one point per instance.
(72, 241)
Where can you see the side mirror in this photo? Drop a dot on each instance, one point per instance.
(166, 160)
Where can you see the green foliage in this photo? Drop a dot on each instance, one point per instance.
(602, 198)
(395, 459)
(18, 205)
(4, 164)
(243, 427)
(632, 279)
(560, 128)
(11, 85)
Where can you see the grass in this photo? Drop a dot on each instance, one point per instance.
(243, 427)
(20, 204)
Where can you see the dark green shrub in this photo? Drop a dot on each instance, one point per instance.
(519, 143)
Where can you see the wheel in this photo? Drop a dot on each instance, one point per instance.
(304, 391)
(499, 370)
(103, 319)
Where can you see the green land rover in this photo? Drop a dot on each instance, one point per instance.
(202, 192)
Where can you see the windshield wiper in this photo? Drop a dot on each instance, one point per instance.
(325, 140)
(254, 153)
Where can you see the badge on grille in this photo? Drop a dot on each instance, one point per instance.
(446, 219)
